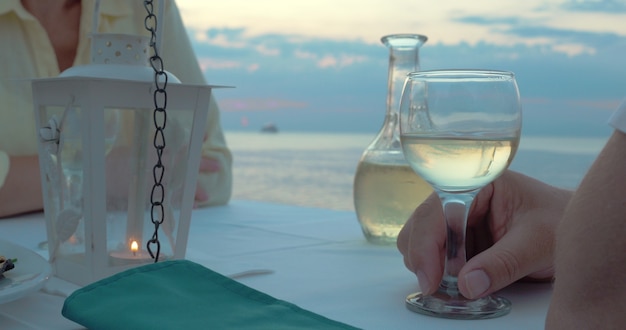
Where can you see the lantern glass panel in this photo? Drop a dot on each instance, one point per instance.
(130, 177)
(64, 173)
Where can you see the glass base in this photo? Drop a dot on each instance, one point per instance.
(460, 308)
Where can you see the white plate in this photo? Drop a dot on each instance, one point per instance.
(30, 273)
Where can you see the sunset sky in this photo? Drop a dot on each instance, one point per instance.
(319, 65)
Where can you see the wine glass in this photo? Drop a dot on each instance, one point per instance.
(459, 130)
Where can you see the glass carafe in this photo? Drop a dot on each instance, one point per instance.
(386, 189)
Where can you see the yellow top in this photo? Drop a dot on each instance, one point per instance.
(27, 53)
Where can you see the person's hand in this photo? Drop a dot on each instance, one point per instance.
(510, 236)
(207, 165)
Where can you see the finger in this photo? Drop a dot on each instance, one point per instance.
(480, 206)
(508, 260)
(478, 235)
(201, 194)
(422, 243)
(209, 165)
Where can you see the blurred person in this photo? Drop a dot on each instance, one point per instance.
(42, 39)
(521, 228)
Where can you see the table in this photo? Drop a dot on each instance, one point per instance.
(315, 258)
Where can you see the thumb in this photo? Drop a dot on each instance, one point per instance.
(521, 252)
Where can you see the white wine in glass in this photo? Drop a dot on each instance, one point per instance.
(460, 130)
(439, 156)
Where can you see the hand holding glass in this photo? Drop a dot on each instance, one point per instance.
(459, 130)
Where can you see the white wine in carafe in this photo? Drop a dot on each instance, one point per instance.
(385, 195)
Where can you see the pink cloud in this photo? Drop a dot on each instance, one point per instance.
(327, 61)
(536, 100)
(224, 41)
(330, 61)
(305, 55)
(260, 104)
(601, 104)
(253, 67)
(597, 104)
(264, 50)
(212, 64)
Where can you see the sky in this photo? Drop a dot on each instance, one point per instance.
(319, 65)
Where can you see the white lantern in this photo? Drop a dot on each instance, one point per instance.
(98, 130)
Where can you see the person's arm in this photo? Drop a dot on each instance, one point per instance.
(21, 190)
(215, 177)
(590, 257)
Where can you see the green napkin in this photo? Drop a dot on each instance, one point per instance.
(180, 294)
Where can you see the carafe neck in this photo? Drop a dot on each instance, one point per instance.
(403, 59)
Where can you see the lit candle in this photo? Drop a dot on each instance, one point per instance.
(134, 247)
(131, 255)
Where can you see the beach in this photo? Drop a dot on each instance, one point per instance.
(317, 169)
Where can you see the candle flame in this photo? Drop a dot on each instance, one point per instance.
(134, 246)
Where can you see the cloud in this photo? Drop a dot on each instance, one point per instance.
(561, 36)
(267, 51)
(542, 71)
(233, 33)
(343, 60)
(233, 48)
(253, 67)
(221, 37)
(447, 21)
(565, 40)
(603, 6)
(573, 103)
(304, 55)
(484, 20)
(222, 40)
(260, 104)
(207, 63)
(573, 49)
(610, 105)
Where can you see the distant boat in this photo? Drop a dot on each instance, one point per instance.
(269, 128)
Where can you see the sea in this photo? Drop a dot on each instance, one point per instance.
(317, 169)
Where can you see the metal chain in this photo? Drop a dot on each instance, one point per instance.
(157, 196)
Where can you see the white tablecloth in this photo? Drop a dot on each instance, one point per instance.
(316, 258)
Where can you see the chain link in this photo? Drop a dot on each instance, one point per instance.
(159, 115)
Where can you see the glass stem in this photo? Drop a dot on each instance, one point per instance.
(455, 208)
